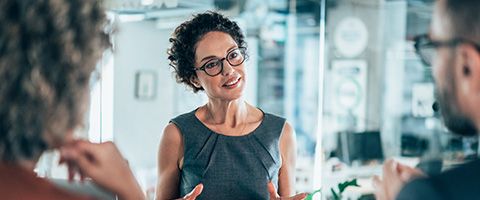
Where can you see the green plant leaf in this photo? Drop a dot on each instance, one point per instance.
(335, 195)
(341, 188)
(310, 196)
(344, 185)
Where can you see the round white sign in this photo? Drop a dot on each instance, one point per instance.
(351, 37)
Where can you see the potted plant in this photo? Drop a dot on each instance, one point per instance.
(336, 193)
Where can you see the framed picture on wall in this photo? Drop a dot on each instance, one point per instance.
(145, 85)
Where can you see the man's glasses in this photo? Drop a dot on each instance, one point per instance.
(426, 48)
(214, 66)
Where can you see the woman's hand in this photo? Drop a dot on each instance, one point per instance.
(194, 193)
(104, 164)
(274, 195)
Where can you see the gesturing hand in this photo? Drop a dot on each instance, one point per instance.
(194, 193)
(274, 195)
(395, 175)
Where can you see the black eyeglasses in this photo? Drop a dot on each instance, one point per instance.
(426, 48)
(214, 66)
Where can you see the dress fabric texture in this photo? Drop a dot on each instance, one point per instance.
(230, 167)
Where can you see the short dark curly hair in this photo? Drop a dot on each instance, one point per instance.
(48, 51)
(185, 37)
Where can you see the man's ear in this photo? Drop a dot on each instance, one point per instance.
(194, 80)
(468, 79)
(470, 60)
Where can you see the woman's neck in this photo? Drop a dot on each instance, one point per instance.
(231, 113)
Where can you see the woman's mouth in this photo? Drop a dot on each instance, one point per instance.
(232, 83)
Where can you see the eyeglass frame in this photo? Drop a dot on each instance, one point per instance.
(437, 44)
(220, 60)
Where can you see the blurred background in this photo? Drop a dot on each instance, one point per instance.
(343, 72)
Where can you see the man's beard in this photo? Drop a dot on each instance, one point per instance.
(454, 119)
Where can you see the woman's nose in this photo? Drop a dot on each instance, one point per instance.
(227, 68)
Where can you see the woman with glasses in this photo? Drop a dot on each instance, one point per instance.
(227, 148)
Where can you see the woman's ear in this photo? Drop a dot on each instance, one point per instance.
(194, 81)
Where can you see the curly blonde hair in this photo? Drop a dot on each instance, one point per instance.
(48, 51)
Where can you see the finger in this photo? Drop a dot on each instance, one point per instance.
(378, 186)
(72, 142)
(380, 195)
(68, 157)
(95, 151)
(71, 171)
(194, 193)
(61, 160)
(390, 170)
(418, 172)
(85, 147)
(411, 170)
(405, 168)
(272, 190)
(298, 196)
(376, 182)
(407, 175)
(390, 165)
(82, 176)
(64, 155)
(77, 160)
(85, 165)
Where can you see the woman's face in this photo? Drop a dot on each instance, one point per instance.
(229, 84)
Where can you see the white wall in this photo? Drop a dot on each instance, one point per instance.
(138, 124)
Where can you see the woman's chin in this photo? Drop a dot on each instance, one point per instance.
(234, 94)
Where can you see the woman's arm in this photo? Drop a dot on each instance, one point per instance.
(170, 153)
(288, 151)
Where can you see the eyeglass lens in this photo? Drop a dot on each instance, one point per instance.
(234, 58)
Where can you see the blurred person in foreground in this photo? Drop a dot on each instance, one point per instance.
(452, 48)
(48, 51)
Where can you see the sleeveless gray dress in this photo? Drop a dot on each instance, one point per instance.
(230, 167)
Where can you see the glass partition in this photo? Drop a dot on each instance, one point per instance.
(342, 72)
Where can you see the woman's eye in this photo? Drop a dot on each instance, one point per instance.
(233, 54)
(211, 65)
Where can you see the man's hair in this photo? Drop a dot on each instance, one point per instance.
(464, 18)
(184, 42)
(48, 51)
